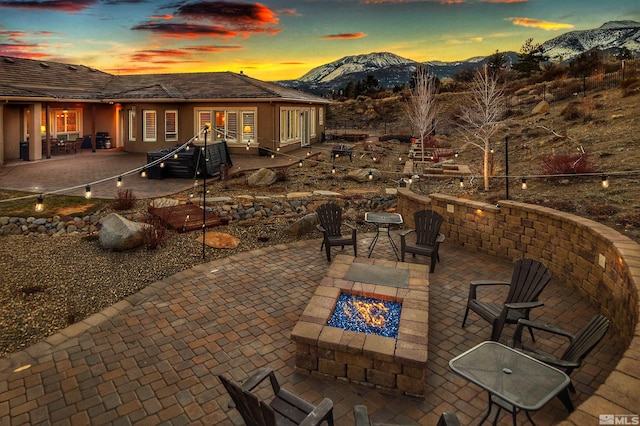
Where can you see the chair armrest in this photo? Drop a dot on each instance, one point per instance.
(350, 226)
(544, 327)
(256, 378)
(322, 412)
(320, 228)
(361, 416)
(407, 232)
(524, 305)
(440, 238)
(475, 284)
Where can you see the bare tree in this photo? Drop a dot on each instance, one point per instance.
(421, 106)
(482, 114)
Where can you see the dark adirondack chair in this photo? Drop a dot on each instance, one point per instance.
(528, 280)
(331, 225)
(285, 408)
(362, 418)
(428, 237)
(580, 345)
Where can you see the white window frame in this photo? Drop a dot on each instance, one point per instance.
(150, 125)
(312, 122)
(133, 125)
(171, 135)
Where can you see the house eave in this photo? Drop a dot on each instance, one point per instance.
(215, 100)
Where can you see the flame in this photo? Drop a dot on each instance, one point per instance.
(372, 313)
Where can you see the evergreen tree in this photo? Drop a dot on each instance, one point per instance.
(529, 58)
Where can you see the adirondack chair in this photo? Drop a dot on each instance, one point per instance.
(331, 225)
(428, 237)
(285, 408)
(528, 280)
(580, 344)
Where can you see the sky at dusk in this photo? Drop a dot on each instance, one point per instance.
(283, 39)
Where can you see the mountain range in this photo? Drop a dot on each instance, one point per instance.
(392, 70)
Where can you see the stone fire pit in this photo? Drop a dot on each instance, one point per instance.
(397, 365)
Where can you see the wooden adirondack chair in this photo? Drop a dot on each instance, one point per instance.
(285, 408)
(528, 280)
(580, 344)
(331, 225)
(428, 237)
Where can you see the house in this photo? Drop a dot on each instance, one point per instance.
(141, 113)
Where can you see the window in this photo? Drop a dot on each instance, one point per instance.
(229, 125)
(171, 125)
(133, 125)
(312, 122)
(289, 125)
(320, 116)
(149, 129)
(248, 126)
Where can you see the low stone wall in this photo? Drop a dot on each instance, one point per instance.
(596, 260)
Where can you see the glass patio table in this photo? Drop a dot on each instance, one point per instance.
(383, 221)
(514, 381)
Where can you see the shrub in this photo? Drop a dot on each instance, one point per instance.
(155, 233)
(125, 200)
(282, 174)
(565, 164)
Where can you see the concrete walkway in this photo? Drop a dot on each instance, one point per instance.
(153, 358)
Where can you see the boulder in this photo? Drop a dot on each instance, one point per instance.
(120, 234)
(364, 175)
(262, 177)
(541, 108)
(303, 225)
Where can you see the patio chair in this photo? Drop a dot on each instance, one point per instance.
(580, 344)
(361, 417)
(528, 279)
(285, 408)
(428, 237)
(330, 218)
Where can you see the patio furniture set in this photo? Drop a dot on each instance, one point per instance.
(516, 377)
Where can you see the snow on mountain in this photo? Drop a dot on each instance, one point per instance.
(353, 64)
(612, 35)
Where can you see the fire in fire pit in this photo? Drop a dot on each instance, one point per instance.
(366, 315)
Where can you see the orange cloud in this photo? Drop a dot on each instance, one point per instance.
(536, 23)
(21, 51)
(179, 30)
(346, 36)
(166, 17)
(57, 5)
(213, 49)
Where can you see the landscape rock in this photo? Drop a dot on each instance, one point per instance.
(541, 108)
(263, 177)
(120, 234)
(304, 225)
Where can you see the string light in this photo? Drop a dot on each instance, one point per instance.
(300, 163)
(333, 169)
(119, 182)
(605, 181)
(175, 156)
(456, 154)
(461, 182)
(40, 204)
(87, 192)
(162, 165)
(524, 182)
(143, 173)
(370, 174)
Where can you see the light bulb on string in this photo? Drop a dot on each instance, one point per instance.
(605, 181)
(370, 174)
(273, 155)
(162, 165)
(40, 204)
(119, 182)
(175, 155)
(87, 192)
(333, 169)
(143, 173)
(461, 182)
(300, 163)
(524, 182)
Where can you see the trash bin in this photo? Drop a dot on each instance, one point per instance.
(24, 151)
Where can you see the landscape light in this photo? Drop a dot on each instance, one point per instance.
(524, 182)
(87, 192)
(605, 181)
(400, 159)
(40, 204)
(461, 182)
(273, 155)
(308, 153)
(119, 182)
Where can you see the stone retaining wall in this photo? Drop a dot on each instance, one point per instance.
(598, 261)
